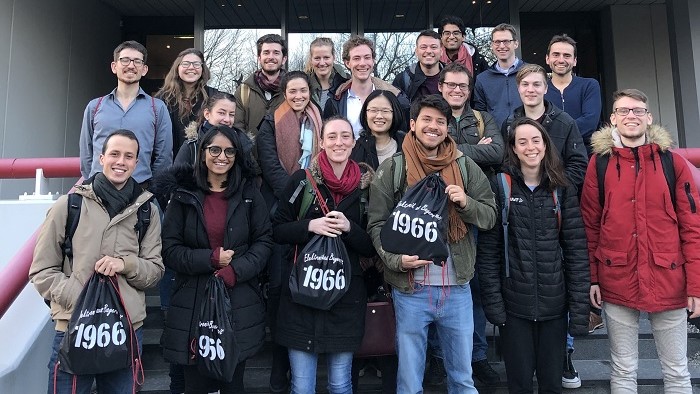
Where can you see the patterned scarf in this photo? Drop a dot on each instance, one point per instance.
(265, 84)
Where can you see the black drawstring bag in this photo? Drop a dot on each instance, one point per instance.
(100, 337)
(418, 223)
(321, 273)
(217, 351)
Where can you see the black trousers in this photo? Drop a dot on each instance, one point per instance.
(534, 346)
(196, 383)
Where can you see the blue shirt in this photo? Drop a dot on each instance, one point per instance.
(581, 100)
(148, 118)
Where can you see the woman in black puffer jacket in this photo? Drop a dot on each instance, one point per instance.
(545, 275)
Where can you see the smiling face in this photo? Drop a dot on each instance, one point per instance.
(119, 160)
(631, 127)
(271, 58)
(428, 51)
(451, 37)
(379, 115)
(458, 95)
(190, 75)
(503, 46)
(532, 89)
(360, 63)
(222, 113)
(529, 146)
(297, 94)
(221, 164)
(561, 58)
(322, 60)
(337, 141)
(430, 127)
(131, 73)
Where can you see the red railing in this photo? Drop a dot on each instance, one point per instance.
(15, 275)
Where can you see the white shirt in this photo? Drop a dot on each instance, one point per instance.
(354, 107)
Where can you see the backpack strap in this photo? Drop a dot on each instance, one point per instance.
(94, 111)
(601, 166)
(504, 186)
(666, 157)
(479, 123)
(143, 219)
(398, 170)
(75, 203)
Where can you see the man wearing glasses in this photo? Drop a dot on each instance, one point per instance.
(496, 90)
(455, 49)
(643, 242)
(128, 107)
(421, 78)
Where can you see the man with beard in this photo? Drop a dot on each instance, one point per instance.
(260, 92)
(421, 78)
(128, 107)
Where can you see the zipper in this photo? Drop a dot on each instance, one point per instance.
(691, 200)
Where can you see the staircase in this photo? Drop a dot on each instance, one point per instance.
(591, 359)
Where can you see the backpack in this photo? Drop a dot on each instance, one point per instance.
(479, 123)
(504, 186)
(399, 171)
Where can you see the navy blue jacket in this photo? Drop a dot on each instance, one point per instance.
(496, 93)
(582, 101)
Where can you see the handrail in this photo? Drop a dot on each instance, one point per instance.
(15, 275)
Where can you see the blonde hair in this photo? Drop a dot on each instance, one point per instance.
(318, 42)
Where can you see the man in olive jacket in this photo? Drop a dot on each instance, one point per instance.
(104, 242)
(428, 148)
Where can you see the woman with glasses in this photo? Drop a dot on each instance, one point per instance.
(324, 74)
(216, 224)
(184, 90)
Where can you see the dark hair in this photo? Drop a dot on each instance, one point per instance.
(173, 90)
(332, 118)
(272, 39)
(428, 33)
(292, 75)
(242, 165)
(505, 27)
(451, 20)
(211, 102)
(397, 112)
(631, 93)
(551, 166)
(431, 101)
(130, 45)
(562, 38)
(455, 67)
(124, 133)
(354, 42)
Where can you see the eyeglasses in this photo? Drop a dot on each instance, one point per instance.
(215, 151)
(375, 111)
(623, 111)
(187, 64)
(426, 47)
(452, 86)
(497, 43)
(456, 33)
(124, 61)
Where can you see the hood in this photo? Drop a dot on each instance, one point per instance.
(178, 176)
(607, 138)
(192, 131)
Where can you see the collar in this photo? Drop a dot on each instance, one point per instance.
(510, 69)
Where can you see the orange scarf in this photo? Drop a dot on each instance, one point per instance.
(419, 165)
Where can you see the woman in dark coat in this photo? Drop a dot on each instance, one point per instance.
(216, 224)
(305, 331)
(545, 274)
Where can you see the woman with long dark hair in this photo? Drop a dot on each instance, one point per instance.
(533, 269)
(216, 224)
(337, 332)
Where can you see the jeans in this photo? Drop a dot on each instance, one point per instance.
(450, 308)
(304, 372)
(671, 337)
(115, 382)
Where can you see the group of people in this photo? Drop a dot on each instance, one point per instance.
(225, 176)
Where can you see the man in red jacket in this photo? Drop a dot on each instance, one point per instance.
(642, 242)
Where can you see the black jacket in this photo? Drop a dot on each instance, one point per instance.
(341, 328)
(365, 150)
(179, 125)
(466, 135)
(549, 271)
(274, 176)
(186, 250)
(410, 81)
(565, 136)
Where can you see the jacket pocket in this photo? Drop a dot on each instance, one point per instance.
(613, 271)
(669, 276)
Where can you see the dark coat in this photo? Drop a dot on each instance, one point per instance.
(341, 328)
(410, 80)
(186, 250)
(564, 133)
(549, 274)
(274, 176)
(466, 136)
(180, 125)
(365, 150)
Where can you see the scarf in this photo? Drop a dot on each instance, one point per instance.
(419, 165)
(115, 201)
(292, 144)
(348, 182)
(265, 84)
(463, 56)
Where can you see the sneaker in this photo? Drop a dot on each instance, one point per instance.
(436, 372)
(570, 378)
(483, 371)
(595, 321)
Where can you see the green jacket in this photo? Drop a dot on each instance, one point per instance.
(479, 211)
(251, 106)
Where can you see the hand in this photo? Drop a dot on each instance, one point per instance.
(457, 195)
(109, 265)
(694, 307)
(341, 222)
(325, 226)
(595, 297)
(411, 262)
(225, 257)
(484, 141)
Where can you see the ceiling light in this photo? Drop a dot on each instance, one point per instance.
(167, 46)
(473, 1)
(239, 5)
(303, 17)
(184, 37)
(488, 2)
(223, 5)
(399, 15)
